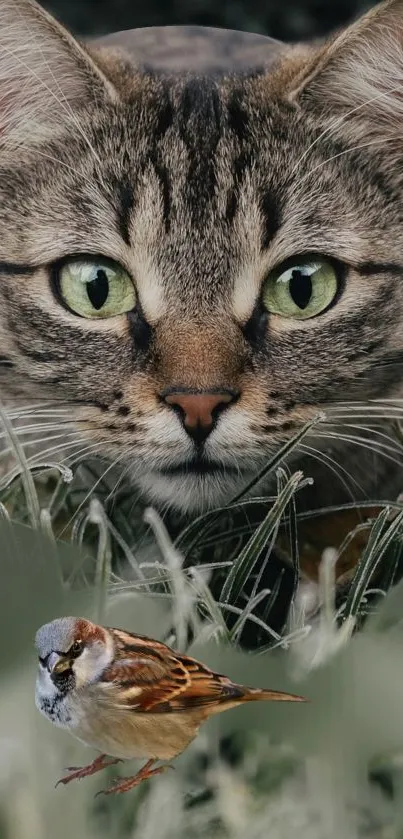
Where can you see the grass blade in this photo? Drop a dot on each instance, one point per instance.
(277, 459)
(104, 558)
(246, 560)
(378, 542)
(31, 496)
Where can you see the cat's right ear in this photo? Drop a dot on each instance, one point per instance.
(45, 75)
(359, 73)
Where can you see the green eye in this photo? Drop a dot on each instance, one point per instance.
(98, 289)
(301, 291)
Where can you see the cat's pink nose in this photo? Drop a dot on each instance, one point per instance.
(198, 411)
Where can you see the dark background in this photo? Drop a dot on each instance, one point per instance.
(287, 20)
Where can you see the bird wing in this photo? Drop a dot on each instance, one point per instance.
(154, 678)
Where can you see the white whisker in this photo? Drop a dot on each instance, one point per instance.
(33, 462)
(378, 142)
(59, 162)
(382, 410)
(62, 102)
(339, 121)
(22, 430)
(42, 452)
(373, 448)
(20, 415)
(373, 430)
(93, 488)
(333, 466)
(81, 455)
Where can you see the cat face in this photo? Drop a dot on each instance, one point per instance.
(191, 267)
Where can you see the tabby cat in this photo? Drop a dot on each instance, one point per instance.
(201, 246)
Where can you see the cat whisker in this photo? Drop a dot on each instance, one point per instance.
(82, 454)
(22, 430)
(381, 141)
(362, 442)
(374, 436)
(355, 405)
(377, 411)
(33, 407)
(119, 481)
(392, 445)
(40, 418)
(111, 466)
(387, 363)
(40, 437)
(39, 406)
(34, 461)
(375, 421)
(16, 412)
(59, 162)
(62, 100)
(333, 466)
(25, 444)
(43, 427)
(31, 460)
(37, 403)
(373, 427)
(364, 406)
(59, 100)
(377, 418)
(340, 120)
(388, 400)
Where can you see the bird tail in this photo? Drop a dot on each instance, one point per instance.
(233, 695)
(257, 695)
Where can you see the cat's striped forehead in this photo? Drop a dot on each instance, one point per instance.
(201, 189)
(169, 182)
(196, 205)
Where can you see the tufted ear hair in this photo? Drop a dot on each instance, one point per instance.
(360, 71)
(45, 74)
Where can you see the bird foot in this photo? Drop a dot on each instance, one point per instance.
(78, 772)
(127, 784)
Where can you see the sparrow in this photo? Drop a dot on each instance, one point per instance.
(128, 696)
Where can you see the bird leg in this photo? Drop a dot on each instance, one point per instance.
(77, 772)
(128, 783)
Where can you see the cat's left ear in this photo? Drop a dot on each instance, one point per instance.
(45, 74)
(360, 71)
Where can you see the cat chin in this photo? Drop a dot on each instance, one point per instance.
(189, 493)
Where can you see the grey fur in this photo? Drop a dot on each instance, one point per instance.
(199, 185)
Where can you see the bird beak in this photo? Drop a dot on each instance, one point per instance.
(57, 663)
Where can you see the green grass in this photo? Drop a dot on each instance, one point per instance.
(79, 545)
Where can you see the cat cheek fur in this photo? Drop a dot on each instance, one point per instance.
(199, 186)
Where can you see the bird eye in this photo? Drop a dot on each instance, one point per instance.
(305, 288)
(77, 647)
(95, 289)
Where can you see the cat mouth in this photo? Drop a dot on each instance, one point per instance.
(198, 467)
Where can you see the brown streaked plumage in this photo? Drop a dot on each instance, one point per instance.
(128, 695)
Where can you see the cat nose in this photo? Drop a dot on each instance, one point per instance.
(198, 411)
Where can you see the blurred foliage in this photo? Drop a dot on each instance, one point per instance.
(31, 582)
(288, 20)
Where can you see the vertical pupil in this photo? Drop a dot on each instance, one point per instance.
(300, 288)
(98, 289)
